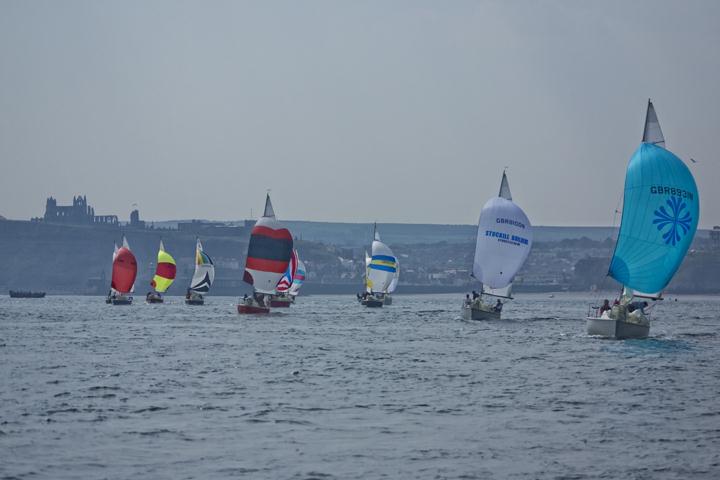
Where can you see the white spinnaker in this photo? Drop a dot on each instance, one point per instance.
(378, 278)
(396, 277)
(204, 274)
(503, 243)
(652, 132)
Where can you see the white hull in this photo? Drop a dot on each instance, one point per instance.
(472, 312)
(616, 329)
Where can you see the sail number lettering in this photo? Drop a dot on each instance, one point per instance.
(676, 192)
(508, 221)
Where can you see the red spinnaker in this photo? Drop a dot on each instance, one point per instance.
(124, 270)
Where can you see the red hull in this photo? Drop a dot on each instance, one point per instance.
(280, 304)
(252, 309)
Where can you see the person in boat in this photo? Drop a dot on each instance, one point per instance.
(498, 306)
(259, 298)
(187, 294)
(605, 307)
(467, 300)
(475, 295)
(637, 306)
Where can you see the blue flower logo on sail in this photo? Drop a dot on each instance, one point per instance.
(677, 219)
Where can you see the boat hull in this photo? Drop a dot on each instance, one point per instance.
(121, 301)
(281, 302)
(155, 300)
(16, 294)
(194, 301)
(372, 302)
(471, 313)
(252, 309)
(616, 329)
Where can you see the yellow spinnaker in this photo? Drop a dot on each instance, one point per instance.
(164, 272)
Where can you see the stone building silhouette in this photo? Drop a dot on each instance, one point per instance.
(79, 213)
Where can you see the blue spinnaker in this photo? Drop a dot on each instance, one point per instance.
(659, 220)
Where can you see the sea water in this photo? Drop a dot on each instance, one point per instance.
(330, 389)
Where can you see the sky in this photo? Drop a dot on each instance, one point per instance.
(388, 111)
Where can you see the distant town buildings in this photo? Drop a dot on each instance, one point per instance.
(135, 221)
(715, 237)
(79, 213)
(201, 227)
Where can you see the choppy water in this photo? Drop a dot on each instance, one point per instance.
(329, 389)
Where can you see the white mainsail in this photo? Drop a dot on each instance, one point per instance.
(204, 274)
(652, 132)
(503, 243)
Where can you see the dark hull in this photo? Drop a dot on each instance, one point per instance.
(16, 294)
(122, 301)
(252, 309)
(280, 303)
(154, 300)
(372, 303)
(194, 302)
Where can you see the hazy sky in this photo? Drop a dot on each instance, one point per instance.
(395, 111)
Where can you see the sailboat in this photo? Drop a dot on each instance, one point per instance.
(503, 244)
(269, 253)
(380, 270)
(165, 272)
(202, 278)
(282, 299)
(124, 272)
(393, 284)
(659, 219)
